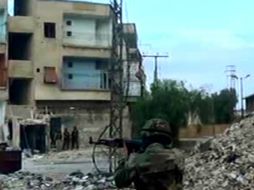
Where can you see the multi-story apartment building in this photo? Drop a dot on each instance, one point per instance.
(58, 60)
(134, 77)
(3, 59)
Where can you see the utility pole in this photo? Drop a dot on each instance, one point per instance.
(230, 71)
(241, 90)
(116, 78)
(156, 56)
(241, 86)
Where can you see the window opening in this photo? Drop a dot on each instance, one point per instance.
(68, 23)
(70, 64)
(70, 76)
(49, 30)
(69, 33)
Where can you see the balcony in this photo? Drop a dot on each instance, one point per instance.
(20, 69)
(90, 80)
(88, 40)
(21, 24)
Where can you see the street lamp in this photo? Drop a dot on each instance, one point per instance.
(241, 89)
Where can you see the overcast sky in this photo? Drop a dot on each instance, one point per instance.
(200, 36)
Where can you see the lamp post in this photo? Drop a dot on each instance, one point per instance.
(241, 90)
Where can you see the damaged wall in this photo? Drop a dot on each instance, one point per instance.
(90, 118)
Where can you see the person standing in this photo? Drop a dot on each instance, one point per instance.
(66, 140)
(58, 140)
(75, 138)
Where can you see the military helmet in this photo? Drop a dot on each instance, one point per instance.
(156, 127)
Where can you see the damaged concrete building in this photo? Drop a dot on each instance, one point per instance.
(54, 60)
(3, 62)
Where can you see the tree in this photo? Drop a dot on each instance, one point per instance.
(224, 104)
(172, 101)
(167, 100)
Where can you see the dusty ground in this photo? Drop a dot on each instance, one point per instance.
(58, 165)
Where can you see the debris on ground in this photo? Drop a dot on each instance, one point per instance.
(225, 162)
(222, 163)
(74, 181)
(64, 156)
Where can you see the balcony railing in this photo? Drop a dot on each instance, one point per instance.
(87, 39)
(88, 80)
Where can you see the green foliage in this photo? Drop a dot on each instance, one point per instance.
(172, 101)
(224, 104)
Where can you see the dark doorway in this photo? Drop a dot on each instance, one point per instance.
(20, 46)
(55, 130)
(19, 90)
(33, 137)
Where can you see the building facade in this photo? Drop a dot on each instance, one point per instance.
(249, 104)
(3, 51)
(55, 57)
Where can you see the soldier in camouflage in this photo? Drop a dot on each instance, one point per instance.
(158, 167)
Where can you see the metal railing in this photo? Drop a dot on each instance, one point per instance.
(91, 39)
(88, 80)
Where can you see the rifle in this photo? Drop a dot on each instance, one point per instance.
(131, 145)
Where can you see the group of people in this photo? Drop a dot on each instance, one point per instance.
(72, 138)
(69, 140)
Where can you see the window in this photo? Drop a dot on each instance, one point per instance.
(38, 70)
(49, 30)
(68, 23)
(69, 33)
(70, 64)
(100, 65)
(50, 76)
(70, 76)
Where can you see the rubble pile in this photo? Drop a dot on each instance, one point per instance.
(79, 181)
(26, 180)
(75, 181)
(225, 162)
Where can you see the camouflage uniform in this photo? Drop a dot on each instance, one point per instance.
(157, 168)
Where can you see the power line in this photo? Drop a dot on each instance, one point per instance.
(230, 73)
(126, 12)
(156, 56)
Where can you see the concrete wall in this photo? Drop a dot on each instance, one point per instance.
(90, 118)
(4, 94)
(21, 24)
(20, 69)
(206, 131)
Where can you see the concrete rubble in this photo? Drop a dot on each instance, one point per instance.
(225, 162)
(75, 181)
